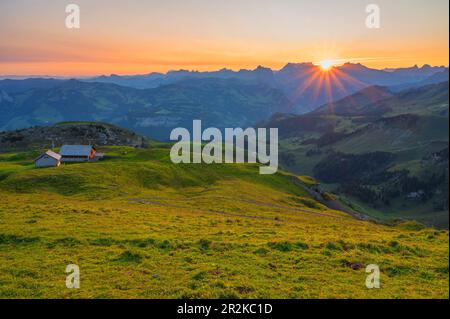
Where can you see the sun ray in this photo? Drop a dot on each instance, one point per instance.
(327, 82)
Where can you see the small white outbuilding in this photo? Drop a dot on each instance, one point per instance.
(48, 159)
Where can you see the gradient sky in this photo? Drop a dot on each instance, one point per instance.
(142, 36)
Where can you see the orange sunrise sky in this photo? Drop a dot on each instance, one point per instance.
(137, 37)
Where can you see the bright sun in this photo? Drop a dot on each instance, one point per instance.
(326, 65)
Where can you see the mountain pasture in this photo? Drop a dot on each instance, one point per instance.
(139, 226)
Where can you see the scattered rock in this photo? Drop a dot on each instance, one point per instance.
(352, 265)
(271, 266)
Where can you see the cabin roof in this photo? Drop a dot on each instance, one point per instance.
(50, 153)
(76, 150)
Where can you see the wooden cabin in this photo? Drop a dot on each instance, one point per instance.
(77, 153)
(48, 159)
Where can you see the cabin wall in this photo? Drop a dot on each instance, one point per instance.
(75, 159)
(47, 161)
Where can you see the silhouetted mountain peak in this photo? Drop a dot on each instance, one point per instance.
(263, 71)
(297, 66)
(353, 66)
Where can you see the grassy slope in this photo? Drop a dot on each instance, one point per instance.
(140, 226)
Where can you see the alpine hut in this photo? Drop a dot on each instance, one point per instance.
(77, 153)
(48, 159)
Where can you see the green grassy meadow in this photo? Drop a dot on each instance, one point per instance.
(139, 226)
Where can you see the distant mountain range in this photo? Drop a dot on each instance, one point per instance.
(155, 103)
(304, 84)
(153, 112)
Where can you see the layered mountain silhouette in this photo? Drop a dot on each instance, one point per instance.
(304, 84)
(153, 112)
(155, 103)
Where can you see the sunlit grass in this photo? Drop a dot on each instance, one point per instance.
(141, 227)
